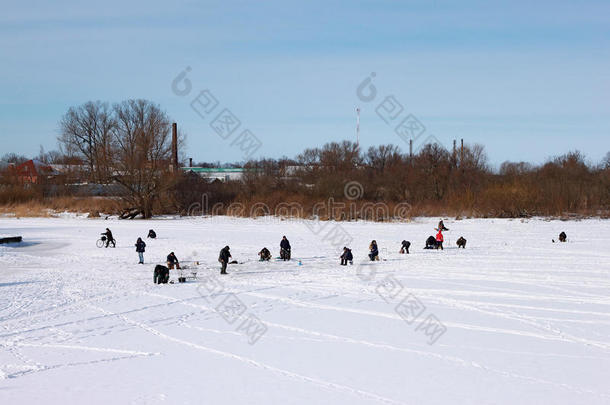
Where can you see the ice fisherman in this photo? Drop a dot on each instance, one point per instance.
(140, 248)
(223, 258)
(264, 254)
(172, 261)
(285, 249)
(439, 240)
(347, 256)
(374, 251)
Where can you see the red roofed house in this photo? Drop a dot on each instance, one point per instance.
(34, 171)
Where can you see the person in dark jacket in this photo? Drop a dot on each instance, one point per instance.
(172, 261)
(152, 234)
(374, 251)
(430, 243)
(109, 238)
(404, 248)
(563, 237)
(223, 258)
(264, 254)
(161, 275)
(441, 226)
(347, 256)
(140, 248)
(461, 242)
(285, 249)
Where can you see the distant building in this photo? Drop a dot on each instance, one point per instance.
(215, 173)
(34, 171)
(67, 169)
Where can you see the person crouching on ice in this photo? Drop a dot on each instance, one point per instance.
(172, 261)
(223, 258)
(347, 256)
(265, 255)
(374, 251)
(461, 242)
(439, 240)
(404, 248)
(161, 274)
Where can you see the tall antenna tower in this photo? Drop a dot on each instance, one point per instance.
(357, 126)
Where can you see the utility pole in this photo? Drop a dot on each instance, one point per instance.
(461, 151)
(175, 145)
(358, 126)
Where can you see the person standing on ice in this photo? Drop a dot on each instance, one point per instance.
(223, 258)
(285, 249)
(441, 226)
(439, 239)
(109, 238)
(140, 248)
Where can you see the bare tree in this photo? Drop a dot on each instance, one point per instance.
(141, 161)
(14, 158)
(381, 157)
(86, 132)
(52, 156)
(606, 161)
(473, 158)
(434, 165)
(513, 169)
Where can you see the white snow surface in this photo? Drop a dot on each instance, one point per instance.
(527, 320)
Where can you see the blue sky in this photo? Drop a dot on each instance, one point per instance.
(529, 80)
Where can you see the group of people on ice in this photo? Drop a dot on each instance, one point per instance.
(437, 242)
(285, 250)
(161, 273)
(141, 245)
(431, 243)
(264, 255)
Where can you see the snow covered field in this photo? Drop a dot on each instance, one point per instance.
(511, 319)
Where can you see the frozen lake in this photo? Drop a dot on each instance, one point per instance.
(513, 318)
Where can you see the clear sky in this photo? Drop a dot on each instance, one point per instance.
(529, 80)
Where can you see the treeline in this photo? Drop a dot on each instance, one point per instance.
(434, 181)
(127, 144)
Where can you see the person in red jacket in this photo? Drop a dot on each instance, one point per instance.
(439, 240)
